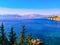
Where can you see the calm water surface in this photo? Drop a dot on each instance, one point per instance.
(48, 31)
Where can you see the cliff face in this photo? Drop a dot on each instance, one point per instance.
(56, 18)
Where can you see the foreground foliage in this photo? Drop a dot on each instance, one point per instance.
(12, 38)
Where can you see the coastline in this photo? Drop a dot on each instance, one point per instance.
(55, 18)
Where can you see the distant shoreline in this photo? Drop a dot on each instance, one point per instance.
(56, 18)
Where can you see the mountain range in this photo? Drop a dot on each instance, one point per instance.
(18, 17)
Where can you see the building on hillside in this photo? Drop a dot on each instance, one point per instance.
(56, 18)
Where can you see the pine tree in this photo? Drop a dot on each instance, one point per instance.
(22, 37)
(0, 40)
(6, 41)
(3, 38)
(28, 40)
(12, 37)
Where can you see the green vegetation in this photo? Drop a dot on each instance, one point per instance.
(28, 40)
(22, 37)
(3, 38)
(12, 38)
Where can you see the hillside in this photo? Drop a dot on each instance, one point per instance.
(56, 18)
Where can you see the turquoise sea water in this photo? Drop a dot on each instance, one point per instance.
(46, 30)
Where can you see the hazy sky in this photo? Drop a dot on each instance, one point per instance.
(49, 7)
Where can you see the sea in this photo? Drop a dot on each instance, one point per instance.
(46, 30)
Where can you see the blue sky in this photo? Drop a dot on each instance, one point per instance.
(30, 4)
(23, 6)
